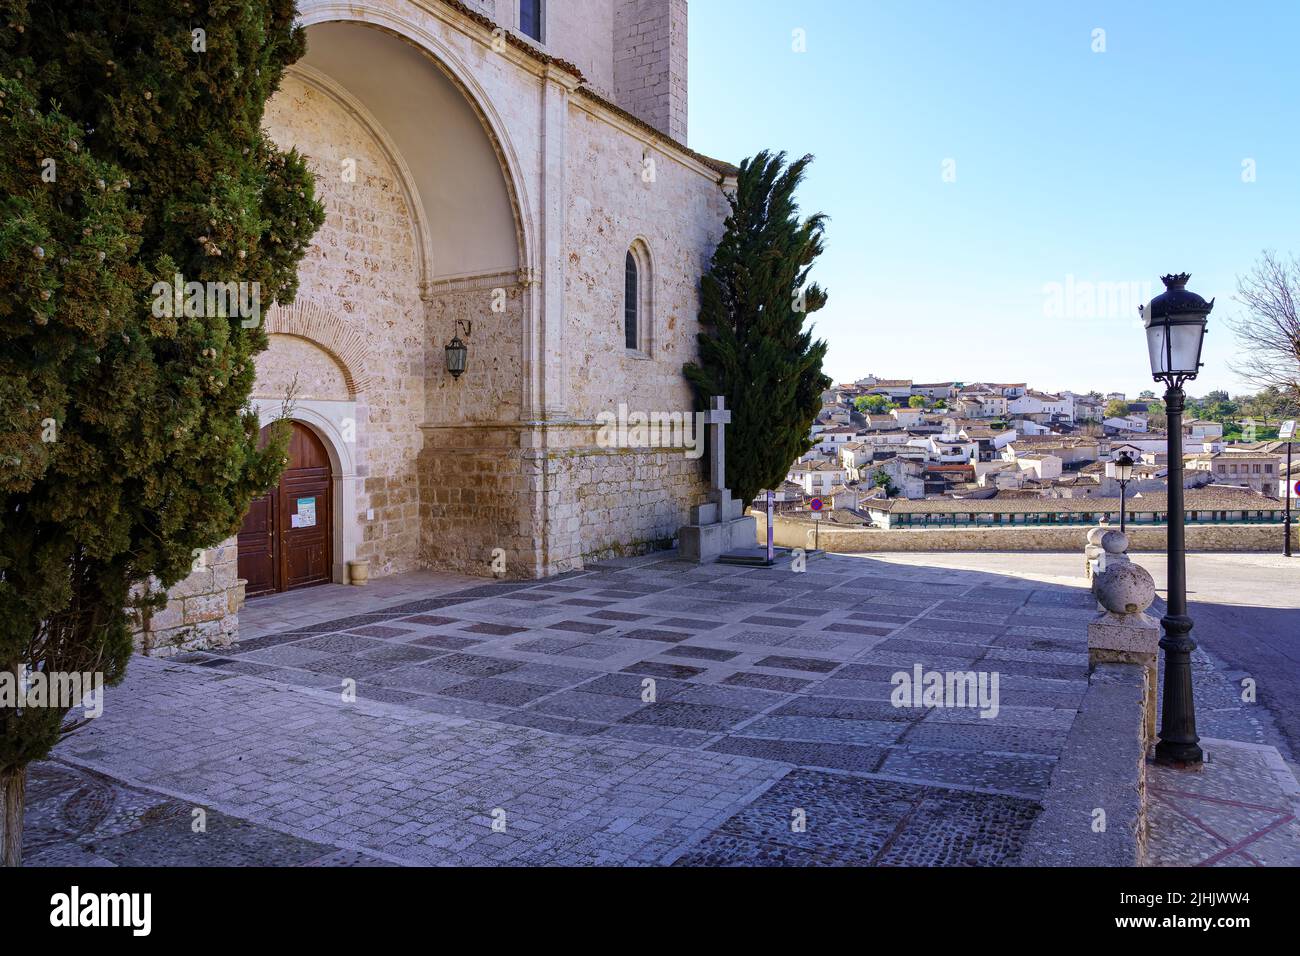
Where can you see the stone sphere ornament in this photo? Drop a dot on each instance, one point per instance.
(1124, 588)
(1114, 542)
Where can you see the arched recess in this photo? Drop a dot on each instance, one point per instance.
(354, 71)
(310, 320)
(330, 87)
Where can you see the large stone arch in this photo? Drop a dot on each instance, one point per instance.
(421, 34)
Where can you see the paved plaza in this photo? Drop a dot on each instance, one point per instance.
(645, 712)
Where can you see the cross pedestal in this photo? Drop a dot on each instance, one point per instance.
(719, 525)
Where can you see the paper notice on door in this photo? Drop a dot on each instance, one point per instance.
(306, 516)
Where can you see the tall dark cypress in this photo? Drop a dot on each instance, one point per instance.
(131, 152)
(754, 349)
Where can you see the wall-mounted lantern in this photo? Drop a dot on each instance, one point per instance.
(457, 350)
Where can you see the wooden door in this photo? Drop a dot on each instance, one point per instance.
(304, 512)
(287, 537)
(257, 562)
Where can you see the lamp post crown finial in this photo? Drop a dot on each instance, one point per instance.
(1176, 280)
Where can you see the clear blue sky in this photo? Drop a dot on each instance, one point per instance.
(1107, 167)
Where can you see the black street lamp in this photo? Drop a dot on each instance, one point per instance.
(1175, 325)
(1121, 469)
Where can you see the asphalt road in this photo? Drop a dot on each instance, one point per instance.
(1246, 609)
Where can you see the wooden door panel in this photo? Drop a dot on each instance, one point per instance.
(256, 546)
(304, 531)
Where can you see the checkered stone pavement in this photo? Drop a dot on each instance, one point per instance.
(641, 711)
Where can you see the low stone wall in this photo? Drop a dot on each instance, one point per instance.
(201, 611)
(1094, 811)
(793, 532)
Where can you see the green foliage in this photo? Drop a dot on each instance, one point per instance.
(881, 480)
(917, 401)
(754, 350)
(872, 404)
(154, 164)
(1116, 408)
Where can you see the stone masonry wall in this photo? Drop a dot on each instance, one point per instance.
(797, 533)
(201, 610)
(625, 501)
(650, 62)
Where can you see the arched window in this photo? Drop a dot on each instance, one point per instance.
(631, 302)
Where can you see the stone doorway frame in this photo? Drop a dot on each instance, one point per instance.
(329, 420)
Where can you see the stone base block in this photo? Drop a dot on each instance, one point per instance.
(1134, 634)
(704, 543)
(1128, 639)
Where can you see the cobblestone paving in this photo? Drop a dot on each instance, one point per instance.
(1240, 810)
(76, 817)
(637, 712)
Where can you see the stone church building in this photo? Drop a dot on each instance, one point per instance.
(512, 174)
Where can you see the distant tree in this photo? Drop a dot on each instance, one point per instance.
(131, 151)
(1116, 408)
(917, 401)
(1269, 330)
(1146, 395)
(1271, 404)
(881, 480)
(873, 404)
(754, 349)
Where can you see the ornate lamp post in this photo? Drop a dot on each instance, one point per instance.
(1175, 325)
(1121, 469)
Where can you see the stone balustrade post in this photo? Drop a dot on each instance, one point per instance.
(1123, 633)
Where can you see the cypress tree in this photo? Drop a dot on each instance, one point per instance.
(131, 153)
(754, 349)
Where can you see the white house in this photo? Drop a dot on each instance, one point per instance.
(1032, 403)
(906, 416)
(830, 439)
(906, 476)
(818, 477)
(1042, 465)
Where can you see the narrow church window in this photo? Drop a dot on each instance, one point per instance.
(530, 18)
(631, 297)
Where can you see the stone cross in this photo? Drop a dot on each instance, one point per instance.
(717, 418)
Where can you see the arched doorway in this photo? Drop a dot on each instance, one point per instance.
(287, 537)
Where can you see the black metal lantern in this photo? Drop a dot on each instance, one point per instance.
(457, 350)
(1123, 466)
(1121, 469)
(1175, 324)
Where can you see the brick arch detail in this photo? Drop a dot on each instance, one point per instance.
(310, 320)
